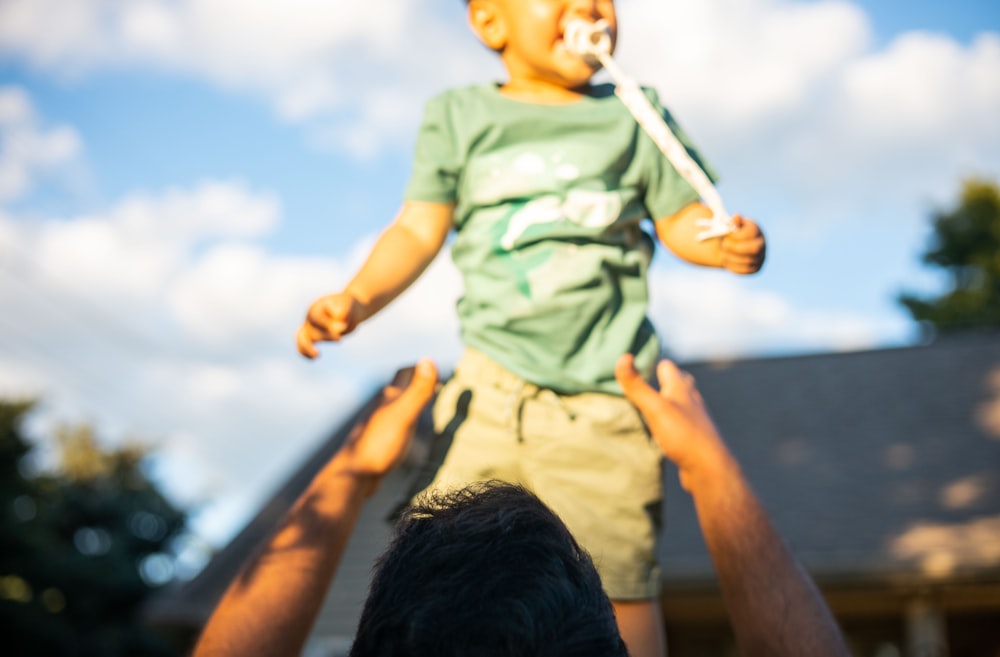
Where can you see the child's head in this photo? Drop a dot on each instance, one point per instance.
(528, 35)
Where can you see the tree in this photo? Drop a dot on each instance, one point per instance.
(80, 548)
(966, 244)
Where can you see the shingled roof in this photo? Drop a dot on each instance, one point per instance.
(878, 464)
(880, 467)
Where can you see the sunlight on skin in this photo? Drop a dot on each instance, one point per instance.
(940, 549)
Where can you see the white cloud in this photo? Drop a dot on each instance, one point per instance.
(905, 123)
(236, 292)
(129, 253)
(737, 64)
(88, 326)
(925, 96)
(797, 107)
(29, 149)
(49, 33)
(712, 314)
(766, 85)
(225, 40)
(955, 84)
(366, 66)
(163, 316)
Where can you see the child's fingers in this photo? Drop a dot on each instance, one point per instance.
(305, 343)
(744, 246)
(321, 314)
(327, 319)
(744, 249)
(740, 263)
(744, 227)
(743, 242)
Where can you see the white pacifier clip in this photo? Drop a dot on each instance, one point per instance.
(592, 41)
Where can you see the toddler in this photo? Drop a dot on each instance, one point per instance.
(548, 184)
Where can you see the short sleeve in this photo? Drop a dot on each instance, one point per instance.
(666, 190)
(436, 167)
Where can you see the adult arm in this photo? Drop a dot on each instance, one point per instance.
(773, 604)
(399, 257)
(270, 607)
(741, 251)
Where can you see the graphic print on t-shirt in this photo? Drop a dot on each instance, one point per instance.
(546, 201)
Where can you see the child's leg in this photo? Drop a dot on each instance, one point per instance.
(641, 625)
(591, 460)
(588, 457)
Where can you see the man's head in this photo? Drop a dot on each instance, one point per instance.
(490, 571)
(528, 35)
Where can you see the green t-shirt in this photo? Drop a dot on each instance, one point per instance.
(549, 200)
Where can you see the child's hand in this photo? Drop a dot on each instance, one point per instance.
(329, 319)
(743, 249)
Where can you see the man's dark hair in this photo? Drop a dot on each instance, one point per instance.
(487, 570)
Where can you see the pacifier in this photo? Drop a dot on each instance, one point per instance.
(588, 40)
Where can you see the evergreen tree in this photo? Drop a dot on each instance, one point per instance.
(81, 548)
(966, 244)
(25, 543)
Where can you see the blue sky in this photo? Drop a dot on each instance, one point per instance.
(179, 179)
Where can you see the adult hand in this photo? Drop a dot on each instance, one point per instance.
(676, 417)
(271, 606)
(381, 442)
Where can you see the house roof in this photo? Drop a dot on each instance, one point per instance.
(876, 466)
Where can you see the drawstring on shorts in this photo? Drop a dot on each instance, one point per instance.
(525, 392)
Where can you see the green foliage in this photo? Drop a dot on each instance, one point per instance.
(966, 243)
(81, 548)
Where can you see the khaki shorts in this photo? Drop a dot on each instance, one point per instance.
(588, 456)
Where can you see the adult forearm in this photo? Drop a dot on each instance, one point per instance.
(774, 605)
(775, 609)
(270, 608)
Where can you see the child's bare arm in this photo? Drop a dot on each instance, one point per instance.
(401, 254)
(741, 251)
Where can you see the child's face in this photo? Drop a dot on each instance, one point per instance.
(529, 36)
